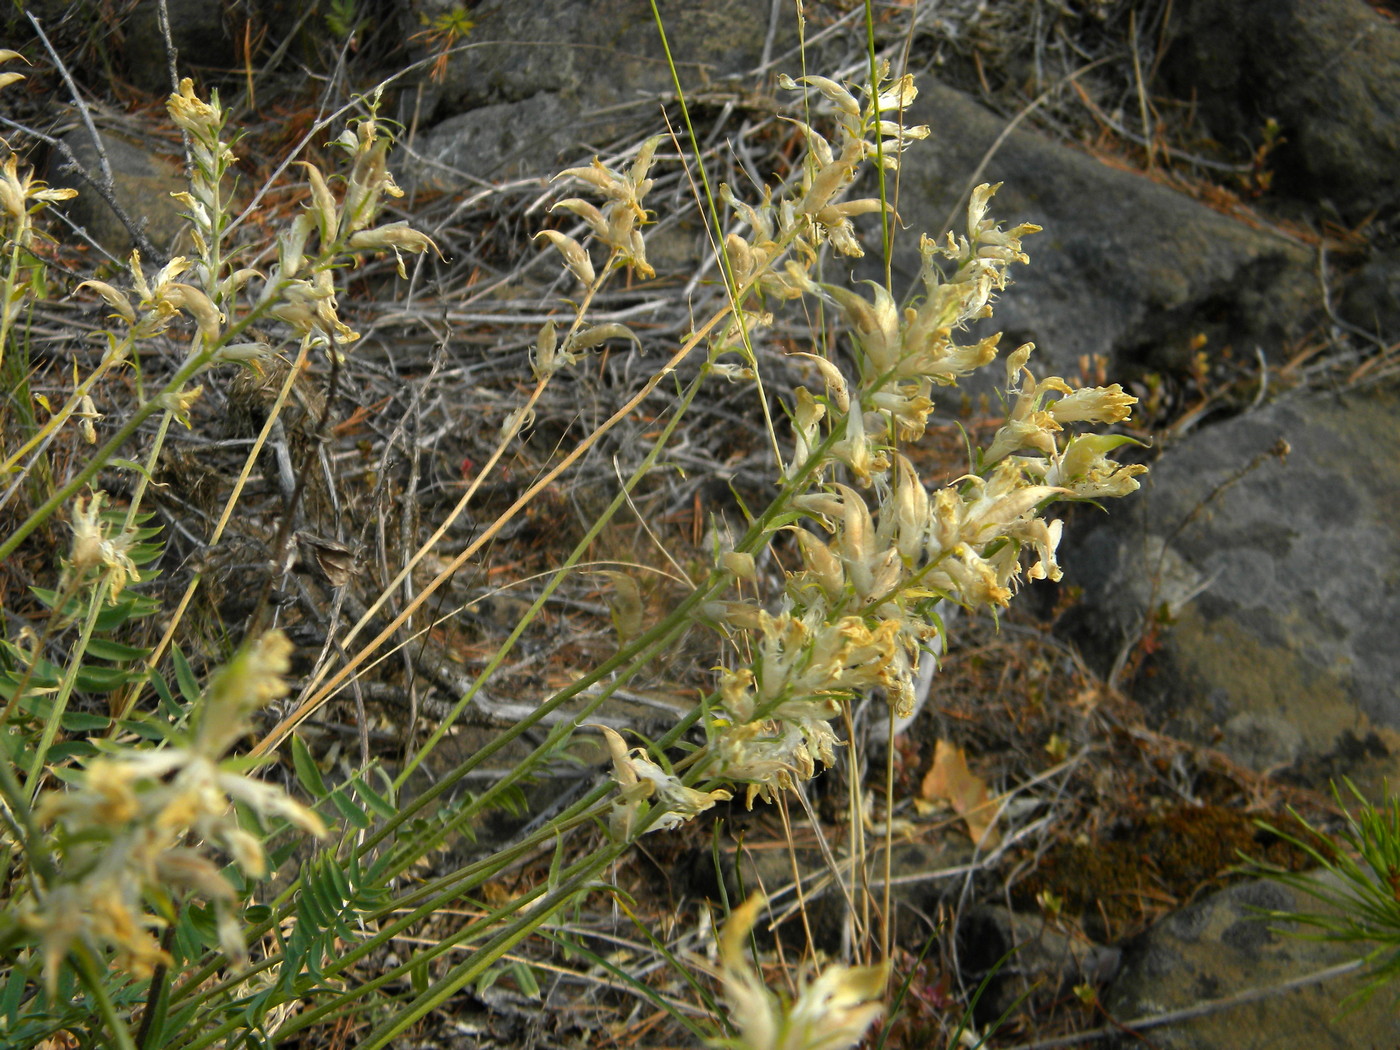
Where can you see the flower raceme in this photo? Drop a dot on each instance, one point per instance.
(121, 827)
(19, 188)
(876, 549)
(138, 823)
(617, 224)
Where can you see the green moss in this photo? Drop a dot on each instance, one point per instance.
(1154, 861)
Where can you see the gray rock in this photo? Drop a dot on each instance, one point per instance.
(197, 29)
(1371, 299)
(1327, 70)
(507, 140)
(143, 182)
(1219, 947)
(1262, 741)
(1126, 267)
(1032, 959)
(545, 84)
(603, 52)
(1277, 579)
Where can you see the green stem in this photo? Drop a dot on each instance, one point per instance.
(109, 360)
(731, 285)
(65, 690)
(37, 859)
(561, 574)
(452, 887)
(577, 878)
(10, 306)
(632, 657)
(188, 371)
(622, 666)
(886, 236)
(91, 978)
(391, 919)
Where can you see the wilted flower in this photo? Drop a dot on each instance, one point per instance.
(126, 817)
(766, 756)
(95, 549)
(195, 303)
(858, 450)
(640, 779)
(16, 191)
(831, 1012)
(311, 307)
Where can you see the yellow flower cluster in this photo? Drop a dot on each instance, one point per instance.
(125, 823)
(878, 549)
(18, 189)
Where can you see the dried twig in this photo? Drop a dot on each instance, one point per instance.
(106, 185)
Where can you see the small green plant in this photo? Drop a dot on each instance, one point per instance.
(344, 19)
(1362, 892)
(443, 33)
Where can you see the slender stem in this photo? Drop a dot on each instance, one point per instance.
(279, 732)
(109, 360)
(559, 576)
(886, 237)
(182, 606)
(577, 879)
(717, 240)
(91, 977)
(157, 996)
(10, 306)
(391, 918)
(50, 626)
(190, 369)
(630, 658)
(96, 601)
(21, 819)
(452, 887)
(887, 915)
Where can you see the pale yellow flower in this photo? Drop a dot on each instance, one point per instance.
(1095, 404)
(115, 299)
(396, 236)
(191, 112)
(831, 1012)
(640, 779)
(95, 549)
(1086, 471)
(17, 190)
(618, 223)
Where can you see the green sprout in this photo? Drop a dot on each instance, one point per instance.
(1359, 882)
